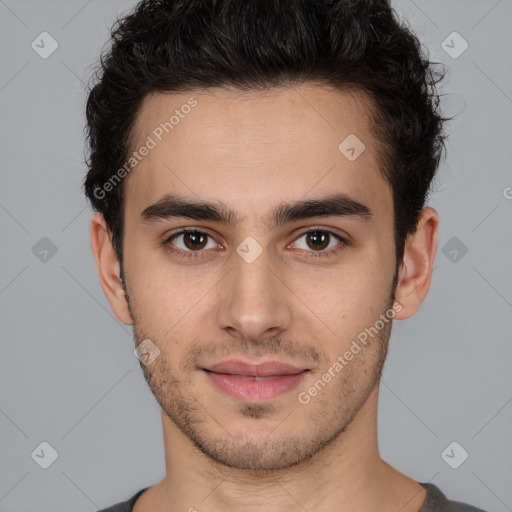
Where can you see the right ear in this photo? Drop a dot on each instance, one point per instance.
(108, 267)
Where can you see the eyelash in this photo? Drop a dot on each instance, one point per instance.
(310, 254)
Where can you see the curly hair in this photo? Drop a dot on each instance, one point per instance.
(353, 45)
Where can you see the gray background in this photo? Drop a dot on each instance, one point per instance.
(67, 372)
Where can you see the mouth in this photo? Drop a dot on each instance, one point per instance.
(254, 383)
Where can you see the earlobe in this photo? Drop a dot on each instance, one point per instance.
(108, 267)
(415, 273)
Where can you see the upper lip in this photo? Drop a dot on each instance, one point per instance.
(267, 369)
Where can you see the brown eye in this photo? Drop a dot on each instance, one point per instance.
(318, 240)
(195, 240)
(190, 241)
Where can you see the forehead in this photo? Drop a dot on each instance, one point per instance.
(250, 149)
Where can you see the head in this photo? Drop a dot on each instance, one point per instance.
(273, 118)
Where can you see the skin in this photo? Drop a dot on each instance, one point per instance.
(252, 152)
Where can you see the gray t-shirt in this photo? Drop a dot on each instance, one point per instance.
(435, 501)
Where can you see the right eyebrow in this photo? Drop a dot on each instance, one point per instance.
(172, 206)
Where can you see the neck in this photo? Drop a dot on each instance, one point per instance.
(348, 474)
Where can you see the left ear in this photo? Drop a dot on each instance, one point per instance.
(415, 272)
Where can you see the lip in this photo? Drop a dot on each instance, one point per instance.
(266, 369)
(254, 383)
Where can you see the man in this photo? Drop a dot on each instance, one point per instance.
(260, 172)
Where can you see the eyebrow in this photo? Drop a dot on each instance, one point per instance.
(175, 206)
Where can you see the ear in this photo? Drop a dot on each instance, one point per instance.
(108, 267)
(415, 272)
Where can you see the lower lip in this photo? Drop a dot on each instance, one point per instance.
(248, 389)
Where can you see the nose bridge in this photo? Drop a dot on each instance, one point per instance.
(253, 301)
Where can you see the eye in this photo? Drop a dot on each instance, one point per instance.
(190, 241)
(321, 241)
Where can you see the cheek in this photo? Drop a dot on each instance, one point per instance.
(168, 298)
(346, 299)
(361, 279)
(162, 305)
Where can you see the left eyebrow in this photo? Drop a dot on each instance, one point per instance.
(176, 206)
(336, 205)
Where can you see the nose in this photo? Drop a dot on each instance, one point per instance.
(254, 302)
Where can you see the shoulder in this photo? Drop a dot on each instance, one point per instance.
(436, 501)
(124, 506)
(457, 506)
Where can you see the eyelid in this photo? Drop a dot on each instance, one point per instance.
(189, 229)
(332, 231)
(343, 242)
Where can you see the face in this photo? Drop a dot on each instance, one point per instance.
(288, 258)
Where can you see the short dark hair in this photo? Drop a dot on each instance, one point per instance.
(353, 45)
